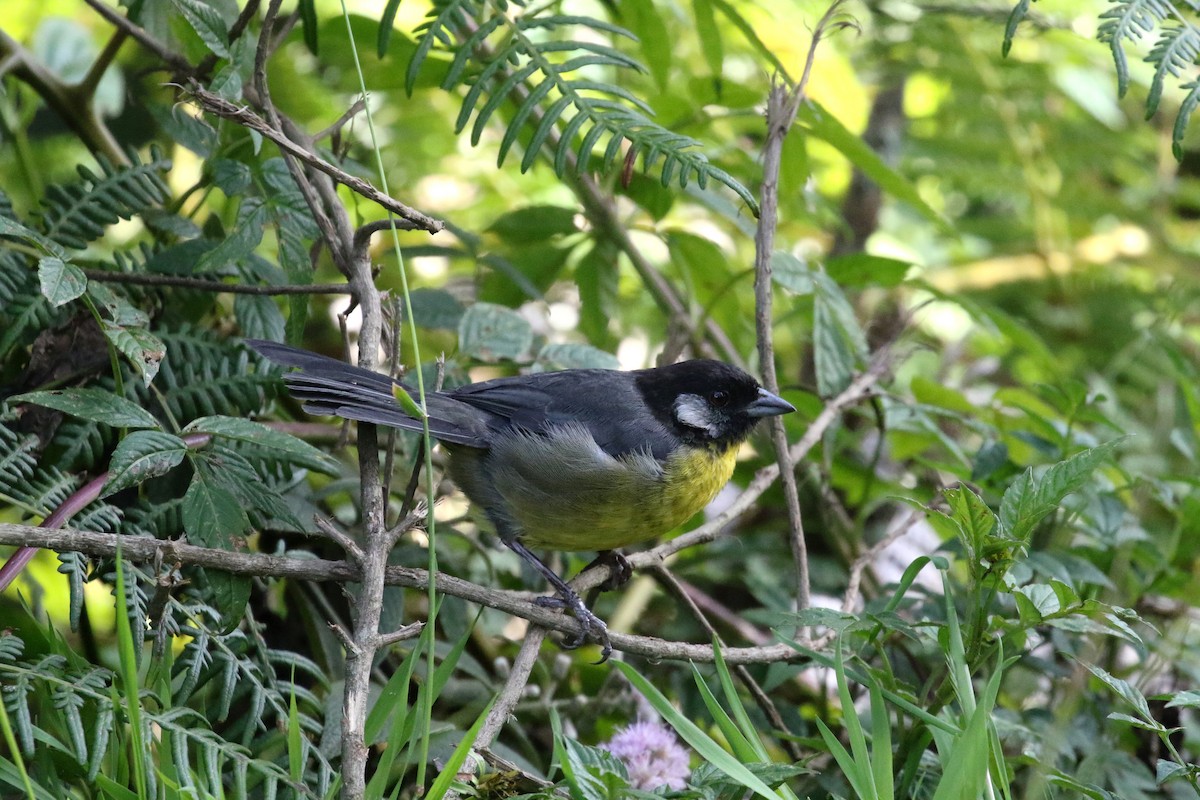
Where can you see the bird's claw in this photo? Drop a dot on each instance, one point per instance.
(591, 626)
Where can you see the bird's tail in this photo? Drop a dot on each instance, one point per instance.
(327, 386)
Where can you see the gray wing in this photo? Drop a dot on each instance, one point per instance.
(604, 402)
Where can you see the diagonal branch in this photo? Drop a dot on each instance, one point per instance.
(242, 115)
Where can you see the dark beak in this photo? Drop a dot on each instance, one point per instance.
(768, 405)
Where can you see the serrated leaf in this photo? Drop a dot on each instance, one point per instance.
(95, 405)
(259, 317)
(61, 282)
(1036, 602)
(237, 244)
(119, 310)
(207, 22)
(292, 449)
(143, 455)
(492, 333)
(211, 514)
(15, 230)
(231, 594)
(1029, 499)
(1124, 690)
(839, 344)
(143, 349)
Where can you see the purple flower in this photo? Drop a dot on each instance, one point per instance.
(652, 755)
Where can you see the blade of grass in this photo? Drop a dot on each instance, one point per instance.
(127, 659)
(449, 772)
(735, 703)
(18, 762)
(741, 746)
(700, 741)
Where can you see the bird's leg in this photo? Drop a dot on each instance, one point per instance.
(592, 626)
(620, 570)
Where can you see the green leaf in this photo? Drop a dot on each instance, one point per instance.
(839, 344)
(94, 405)
(211, 514)
(494, 333)
(258, 317)
(232, 595)
(699, 741)
(143, 349)
(710, 38)
(435, 309)
(61, 282)
(238, 244)
(143, 455)
(575, 356)
(120, 311)
(1125, 691)
(207, 22)
(862, 269)
(15, 230)
(535, 223)
(791, 273)
(386, 22)
(289, 447)
(1029, 498)
(647, 24)
(1168, 770)
(817, 121)
(1036, 602)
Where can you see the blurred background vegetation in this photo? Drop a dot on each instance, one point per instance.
(999, 206)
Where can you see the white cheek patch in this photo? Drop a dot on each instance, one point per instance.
(693, 410)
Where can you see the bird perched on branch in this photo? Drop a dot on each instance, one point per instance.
(583, 459)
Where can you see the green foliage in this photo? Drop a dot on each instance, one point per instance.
(517, 56)
(1028, 281)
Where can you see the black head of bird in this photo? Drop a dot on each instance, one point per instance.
(583, 459)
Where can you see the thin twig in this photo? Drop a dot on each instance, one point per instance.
(219, 287)
(242, 115)
(781, 112)
(353, 111)
(514, 687)
(348, 545)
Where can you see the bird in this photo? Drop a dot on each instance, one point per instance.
(579, 459)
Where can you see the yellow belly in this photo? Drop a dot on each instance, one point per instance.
(630, 508)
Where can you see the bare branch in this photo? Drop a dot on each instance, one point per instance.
(242, 115)
(143, 549)
(219, 287)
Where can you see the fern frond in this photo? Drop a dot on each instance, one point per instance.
(1176, 50)
(1128, 20)
(553, 83)
(78, 213)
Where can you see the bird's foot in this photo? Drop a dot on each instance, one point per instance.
(592, 628)
(620, 570)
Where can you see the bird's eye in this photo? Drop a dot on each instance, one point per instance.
(719, 398)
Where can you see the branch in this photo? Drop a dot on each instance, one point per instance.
(146, 550)
(242, 115)
(782, 105)
(146, 279)
(75, 107)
